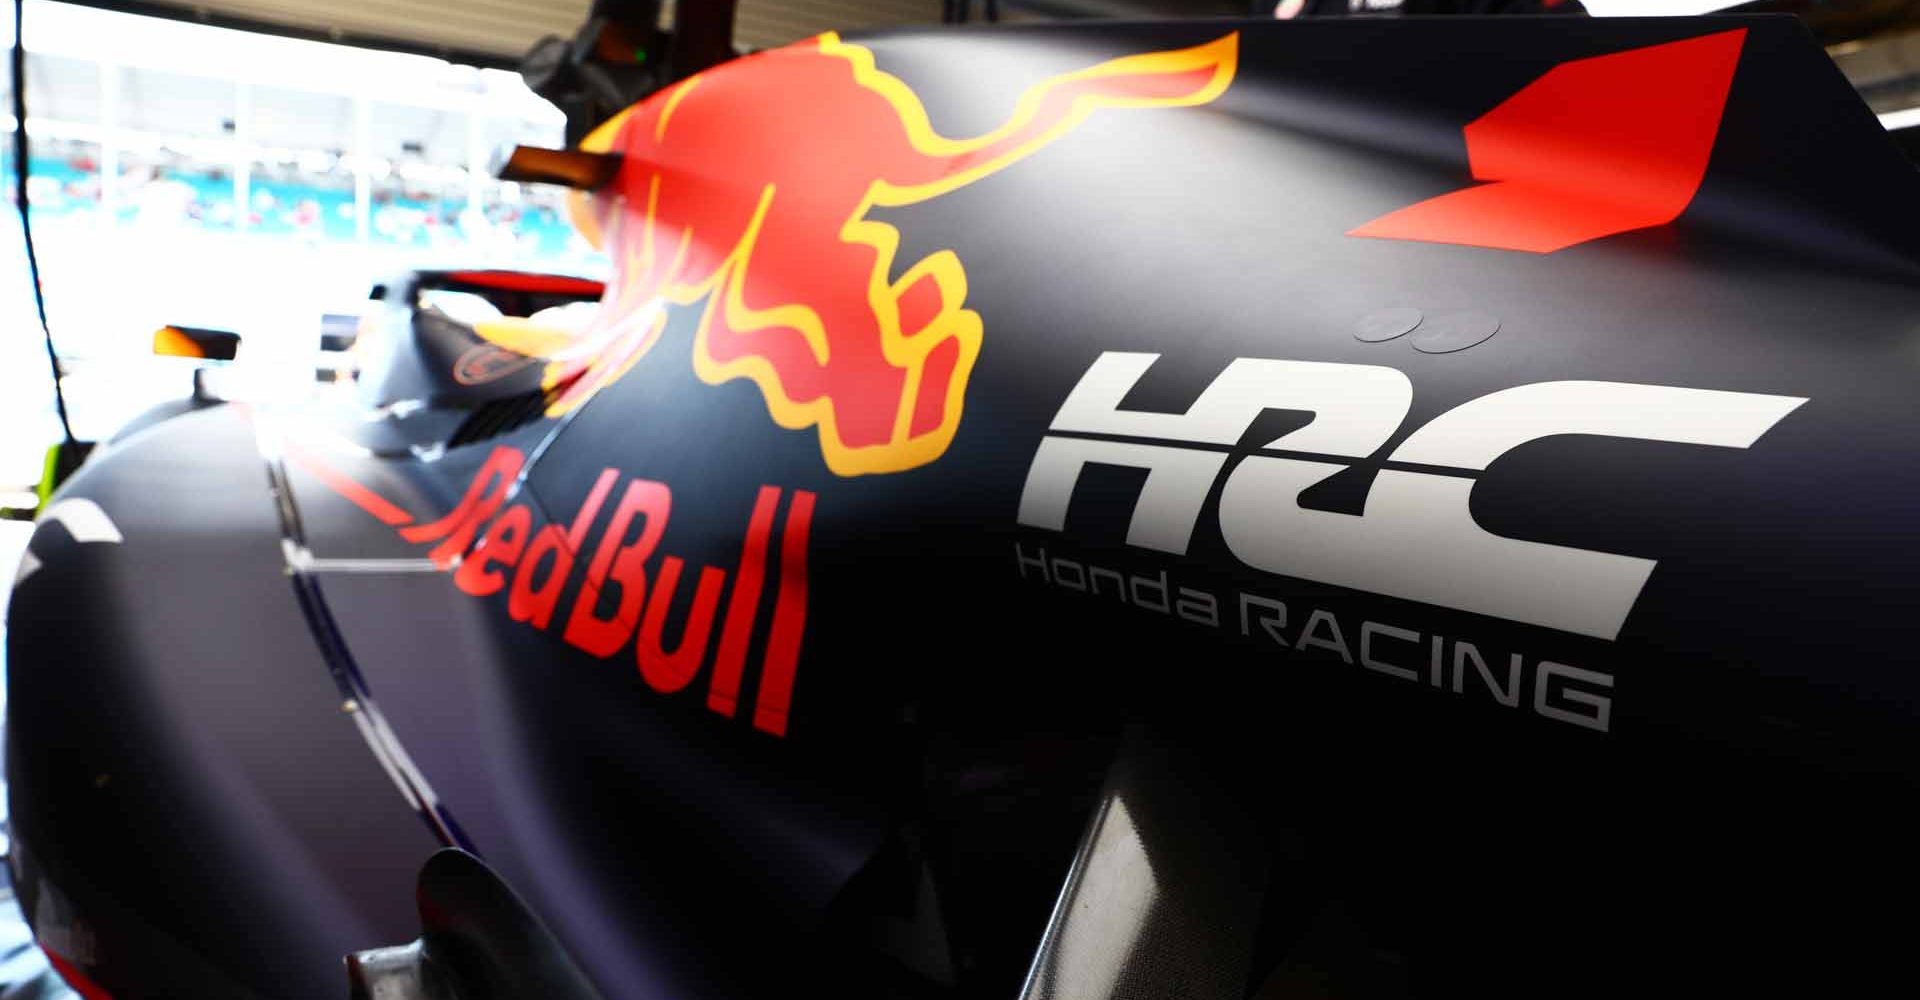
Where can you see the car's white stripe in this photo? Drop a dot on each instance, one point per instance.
(83, 519)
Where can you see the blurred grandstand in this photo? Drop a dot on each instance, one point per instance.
(308, 195)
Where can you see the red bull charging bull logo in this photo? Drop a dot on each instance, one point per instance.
(746, 191)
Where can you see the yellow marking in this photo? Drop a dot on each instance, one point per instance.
(170, 342)
(600, 140)
(523, 336)
(906, 350)
(1222, 55)
(673, 101)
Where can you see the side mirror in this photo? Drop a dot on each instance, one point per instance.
(196, 342)
(572, 168)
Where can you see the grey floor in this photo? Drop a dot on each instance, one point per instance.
(23, 970)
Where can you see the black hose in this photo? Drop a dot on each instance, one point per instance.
(20, 202)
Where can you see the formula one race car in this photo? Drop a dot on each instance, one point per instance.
(1201, 509)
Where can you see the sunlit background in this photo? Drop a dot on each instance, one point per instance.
(196, 175)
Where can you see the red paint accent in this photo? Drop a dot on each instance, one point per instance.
(618, 569)
(348, 487)
(929, 410)
(483, 363)
(669, 672)
(777, 249)
(527, 603)
(622, 566)
(87, 988)
(505, 539)
(590, 508)
(723, 692)
(1593, 148)
(484, 496)
(535, 605)
(522, 281)
(919, 304)
(789, 620)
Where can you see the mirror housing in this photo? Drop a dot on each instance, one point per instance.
(195, 342)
